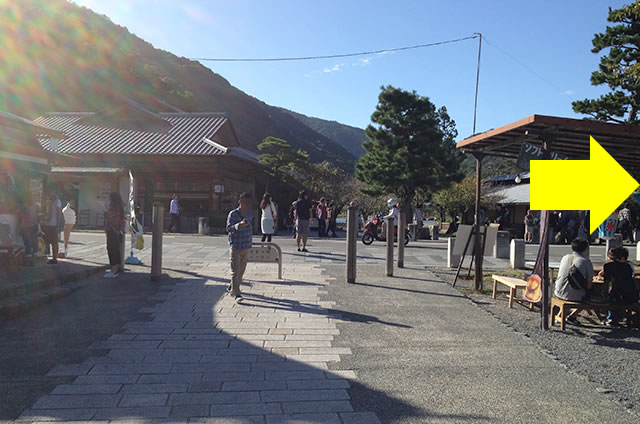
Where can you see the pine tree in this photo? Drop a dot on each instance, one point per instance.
(412, 146)
(619, 69)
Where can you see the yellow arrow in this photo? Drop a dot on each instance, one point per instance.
(599, 184)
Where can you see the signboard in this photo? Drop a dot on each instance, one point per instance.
(464, 233)
(530, 152)
(607, 230)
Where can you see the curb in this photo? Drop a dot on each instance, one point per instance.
(45, 291)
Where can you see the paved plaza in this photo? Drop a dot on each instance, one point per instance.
(306, 349)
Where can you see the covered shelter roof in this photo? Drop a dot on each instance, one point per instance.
(567, 136)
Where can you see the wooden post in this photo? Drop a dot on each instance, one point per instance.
(546, 296)
(477, 248)
(352, 238)
(402, 228)
(156, 242)
(390, 228)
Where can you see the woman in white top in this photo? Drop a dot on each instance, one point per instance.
(269, 217)
(69, 221)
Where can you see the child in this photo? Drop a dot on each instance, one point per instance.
(620, 274)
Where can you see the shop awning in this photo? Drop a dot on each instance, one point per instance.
(86, 170)
(566, 136)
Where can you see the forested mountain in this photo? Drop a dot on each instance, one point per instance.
(58, 56)
(349, 137)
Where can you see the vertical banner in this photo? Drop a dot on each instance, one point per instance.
(534, 292)
(132, 209)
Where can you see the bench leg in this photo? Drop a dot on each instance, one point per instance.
(512, 295)
(563, 315)
(495, 288)
(552, 315)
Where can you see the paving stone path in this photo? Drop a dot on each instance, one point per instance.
(204, 359)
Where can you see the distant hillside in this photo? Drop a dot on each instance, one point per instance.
(62, 57)
(349, 137)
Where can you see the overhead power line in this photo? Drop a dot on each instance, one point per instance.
(528, 68)
(334, 56)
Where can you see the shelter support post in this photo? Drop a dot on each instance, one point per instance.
(478, 221)
(544, 244)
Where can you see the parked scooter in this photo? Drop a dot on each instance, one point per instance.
(370, 232)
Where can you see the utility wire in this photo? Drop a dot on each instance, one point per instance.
(334, 56)
(527, 67)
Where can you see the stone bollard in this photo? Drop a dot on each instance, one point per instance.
(501, 248)
(402, 229)
(156, 241)
(452, 260)
(390, 247)
(616, 241)
(352, 238)
(516, 254)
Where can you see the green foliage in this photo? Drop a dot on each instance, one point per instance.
(619, 69)
(412, 147)
(280, 157)
(460, 197)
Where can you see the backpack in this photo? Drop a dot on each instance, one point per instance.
(575, 278)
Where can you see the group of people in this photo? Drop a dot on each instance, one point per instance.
(53, 220)
(301, 212)
(56, 219)
(575, 280)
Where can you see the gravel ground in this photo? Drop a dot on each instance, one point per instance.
(606, 357)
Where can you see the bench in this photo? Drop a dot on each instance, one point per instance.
(564, 306)
(267, 253)
(514, 284)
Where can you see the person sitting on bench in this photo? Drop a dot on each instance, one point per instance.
(575, 276)
(620, 274)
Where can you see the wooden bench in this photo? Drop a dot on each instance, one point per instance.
(564, 306)
(514, 284)
(267, 253)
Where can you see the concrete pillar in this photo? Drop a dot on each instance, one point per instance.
(452, 260)
(638, 251)
(501, 248)
(352, 238)
(516, 254)
(202, 226)
(435, 232)
(390, 247)
(156, 241)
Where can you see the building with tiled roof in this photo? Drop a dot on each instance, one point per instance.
(195, 155)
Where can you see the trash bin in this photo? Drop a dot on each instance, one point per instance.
(203, 228)
(501, 248)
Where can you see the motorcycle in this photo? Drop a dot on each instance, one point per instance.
(370, 232)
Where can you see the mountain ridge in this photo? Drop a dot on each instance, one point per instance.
(65, 57)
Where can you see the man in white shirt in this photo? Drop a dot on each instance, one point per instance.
(174, 213)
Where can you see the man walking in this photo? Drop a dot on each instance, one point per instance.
(303, 216)
(52, 223)
(321, 214)
(174, 213)
(240, 229)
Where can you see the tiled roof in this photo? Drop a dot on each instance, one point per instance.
(185, 136)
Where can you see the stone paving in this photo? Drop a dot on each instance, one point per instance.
(202, 358)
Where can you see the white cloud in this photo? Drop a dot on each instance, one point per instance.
(569, 92)
(334, 68)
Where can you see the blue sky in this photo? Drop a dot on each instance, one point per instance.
(553, 38)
